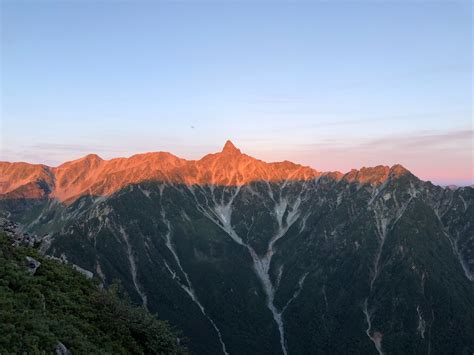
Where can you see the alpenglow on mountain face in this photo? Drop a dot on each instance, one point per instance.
(248, 257)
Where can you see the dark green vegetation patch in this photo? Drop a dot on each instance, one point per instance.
(57, 304)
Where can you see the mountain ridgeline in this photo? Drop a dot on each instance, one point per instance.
(250, 257)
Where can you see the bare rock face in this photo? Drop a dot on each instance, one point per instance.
(84, 272)
(32, 264)
(61, 349)
(14, 232)
(95, 176)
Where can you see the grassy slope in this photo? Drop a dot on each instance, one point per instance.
(58, 304)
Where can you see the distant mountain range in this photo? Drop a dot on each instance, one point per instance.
(251, 257)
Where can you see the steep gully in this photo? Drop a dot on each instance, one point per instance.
(455, 246)
(187, 287)
(382, 222)
(220, 213)
(133, 266)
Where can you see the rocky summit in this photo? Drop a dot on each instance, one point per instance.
(249, 257)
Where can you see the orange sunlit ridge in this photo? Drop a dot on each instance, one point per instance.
(92, 175)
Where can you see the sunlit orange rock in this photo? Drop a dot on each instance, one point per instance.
(23, 180)
(91, 175)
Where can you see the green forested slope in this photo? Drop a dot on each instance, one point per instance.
(57, 304)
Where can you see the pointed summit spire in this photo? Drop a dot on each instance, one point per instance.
(229, 148)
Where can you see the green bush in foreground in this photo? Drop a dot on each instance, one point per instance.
(57, 304)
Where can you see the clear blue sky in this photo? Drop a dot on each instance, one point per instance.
(335, 85)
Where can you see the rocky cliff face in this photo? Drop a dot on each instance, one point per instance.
(255, 257)
(93, 176)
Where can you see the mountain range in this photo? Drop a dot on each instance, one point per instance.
(245, 256)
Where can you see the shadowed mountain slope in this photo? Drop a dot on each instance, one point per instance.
(266, 258)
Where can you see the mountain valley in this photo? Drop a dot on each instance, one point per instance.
(245, 256)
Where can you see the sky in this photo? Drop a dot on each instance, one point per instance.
(333, 85)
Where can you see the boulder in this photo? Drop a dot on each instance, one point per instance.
(84, 272)
(61, 349)
(32, 264)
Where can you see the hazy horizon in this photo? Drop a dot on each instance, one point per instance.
(334, 86)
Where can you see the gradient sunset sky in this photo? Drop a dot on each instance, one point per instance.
(334, 85)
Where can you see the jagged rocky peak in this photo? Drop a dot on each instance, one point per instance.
(376, 175)
(230, 148)
(398, 170)
(270, 252)
(93, 175)
(372, 175)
